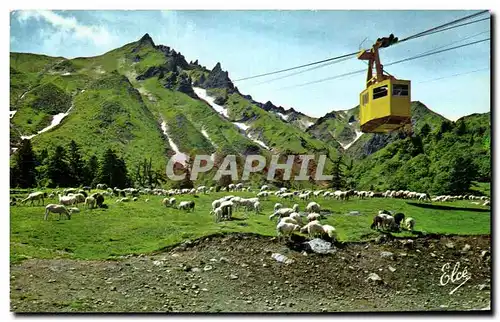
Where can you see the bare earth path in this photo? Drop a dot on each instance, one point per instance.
(236, 273)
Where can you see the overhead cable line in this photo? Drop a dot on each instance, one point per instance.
(455, 75)
(420, 34)
(389, 64)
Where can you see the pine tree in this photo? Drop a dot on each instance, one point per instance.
(76, 164)
(338, 180)
(113, 171)
(58, 171)
(91, 169)
(24, 173)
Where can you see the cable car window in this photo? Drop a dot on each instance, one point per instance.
(379, 92)
(399, 90)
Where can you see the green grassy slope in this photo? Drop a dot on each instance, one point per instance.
(146, 227)
(110, 114)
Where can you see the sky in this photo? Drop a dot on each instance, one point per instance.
(247, 43)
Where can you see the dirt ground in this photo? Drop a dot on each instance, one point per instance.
(237, 273)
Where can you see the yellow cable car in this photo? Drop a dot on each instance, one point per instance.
(385, 103)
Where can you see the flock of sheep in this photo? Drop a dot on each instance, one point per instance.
(289, 220)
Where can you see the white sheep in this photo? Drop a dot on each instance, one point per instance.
(313, 229)
(38, 195)
(297, 217)
(57, 209)
(217, 213)
(313, 216)
(285, 229)
(277, 206)
(313, 207)
(227, 209)
(67, 200)
(257, 207)
(330, 231)
(295, 208)
(289, 220)
(216, 204)
(187, 205)
(90, 202)
(283, 212)
(146, 200)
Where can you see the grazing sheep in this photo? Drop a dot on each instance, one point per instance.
(280, 213)
(187, 205)
(168, 202)
(227, 209)
(263, 194)
(264, 187)
(80, 198)
(297, 217)
(216, 204)
(99, 199)
(34, 196)
(217, 214)
(378, 221)
(90, 202)
(57, 209)
(289, 220)
(285, 229)
(146, 200)
(134, 199)
(389, 222)
(67, 200)
(313, 207)
(277, 206)
(102, 186)
(313, 216)
(313, 229)
(257, 207)
(409, 223)
(295, 208)
(384, 212)
(486, 203)
(83, 192)
(330, 231)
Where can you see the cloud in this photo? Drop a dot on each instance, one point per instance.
(68, 26)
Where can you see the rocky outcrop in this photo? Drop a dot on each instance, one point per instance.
(217, 78)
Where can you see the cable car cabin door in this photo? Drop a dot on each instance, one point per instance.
(385, 106)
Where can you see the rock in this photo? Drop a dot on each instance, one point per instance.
(358, 255)
(213, 259)
(244, 265)
(304, 253)
(157, 263)
(264, 265)
(204, 290)
(223, 260)
(433, 255)
(196, 269)
(387, 255)
(207, 268)
(392, 269)
(282, 258)
(466, 248)
(450, 245)
(354, 213)
(403, 254)
(112, 288)
(233, 276)
(51, 281)
(373, 277)
(484, 253)
(320, 246)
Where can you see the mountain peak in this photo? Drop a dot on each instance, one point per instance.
(147, 39)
